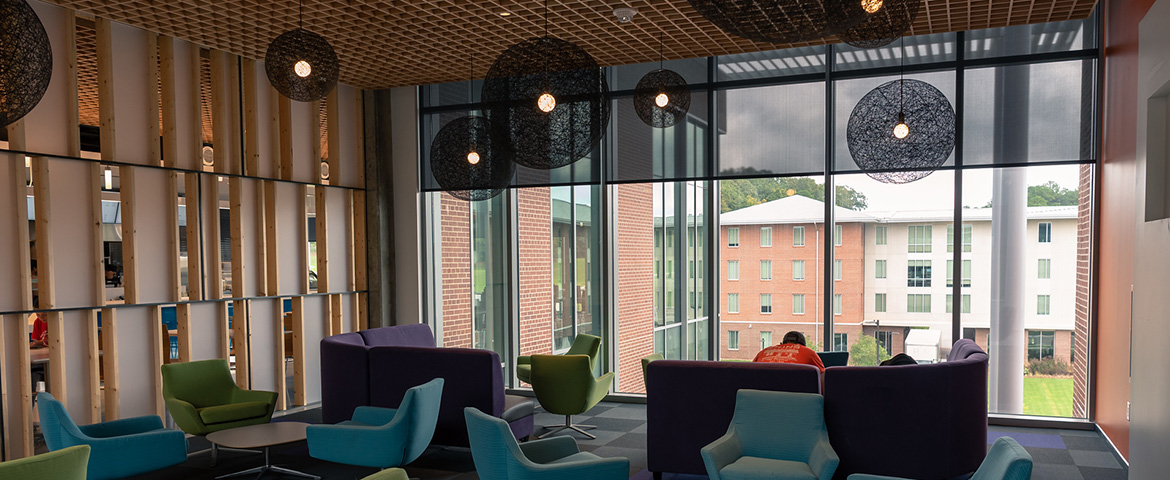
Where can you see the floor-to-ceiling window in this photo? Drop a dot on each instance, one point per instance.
(711, 238)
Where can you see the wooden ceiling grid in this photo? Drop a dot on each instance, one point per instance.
(384, 43)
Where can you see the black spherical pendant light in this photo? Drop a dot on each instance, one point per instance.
(662, 98)
(26, 60)
(301, 65)
(901, 131)
(464, 162)
(886, 21)
(781, 21)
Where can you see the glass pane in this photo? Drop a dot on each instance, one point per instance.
(643, 153)
(1034, 374)
(774, 63)
(626, 77)
(112, 260)
(916, 50)
(1037, 38)
(777, 130)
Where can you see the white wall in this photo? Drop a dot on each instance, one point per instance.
(407, 269)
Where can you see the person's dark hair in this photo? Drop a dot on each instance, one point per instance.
(794, 337)
(36, 302)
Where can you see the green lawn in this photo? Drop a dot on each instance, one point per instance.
(1050, 397)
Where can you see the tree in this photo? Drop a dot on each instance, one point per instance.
(862, 352)
(1050, 194)
(743, 193)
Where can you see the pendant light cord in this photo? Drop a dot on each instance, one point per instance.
(902, 76)
(660, 51)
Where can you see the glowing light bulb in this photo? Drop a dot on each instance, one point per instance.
(871, 6)
(109, 179)
(546, 102)
(303, 69)
(473, 158)
(661, 100)
(901, 130)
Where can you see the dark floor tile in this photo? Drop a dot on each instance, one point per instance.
(1096, 473)
(629, 440)
(1050, 455)
(615, 424)
(1086, 443)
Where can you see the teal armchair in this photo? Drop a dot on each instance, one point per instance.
(381, 437)
(203, 398)
(118, 448)
(564, 385)
(583, 344)
(498, 456)
(1006, 460)
(773, 435)
(65, 464)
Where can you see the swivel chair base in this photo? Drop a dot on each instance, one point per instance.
(568, 425)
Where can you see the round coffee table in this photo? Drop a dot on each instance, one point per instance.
(261, 436)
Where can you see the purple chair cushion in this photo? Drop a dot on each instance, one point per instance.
(963, 349)
(344, 376)
(413, 335)
(690, 404)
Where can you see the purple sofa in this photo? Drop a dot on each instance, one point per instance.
(375, 367)
(913, 421)
(690, 403)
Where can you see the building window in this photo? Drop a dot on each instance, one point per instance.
(798, 236)
(879, 269)
(1044, 268)
(733, 339)
(837, 235)
(918, 303)
(880, 235)
(1041, 344)
(798, 304)
(840, 342)
(1072, 346)
(798, 269)
(1045, 232)
(837, 304)
(918, 273)
(966, 273)
(765, 303)
(733, 269)
(918, 239)
(765, 236)
(886, 341)
(765, 269)
(1043, 304)
(837, 270)
(765, 340)
(733, 237)
(733, 303)
(879, 302)
(964, 308)
(969, 333)
(951, 238)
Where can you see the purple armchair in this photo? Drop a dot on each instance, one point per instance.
(375, 367)
(914, 421)
(690, 403)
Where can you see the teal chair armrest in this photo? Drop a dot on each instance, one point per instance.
(351, 444)
(376, 416)
(824, 459)
(150, 451)
(124, 426)
(600, 388)
(240, 395)
(613, 468)
(549, 449)
(524, 360)
(721, 453)
(866, 476)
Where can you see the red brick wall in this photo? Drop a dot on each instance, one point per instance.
(750, 322)
(635, 276)
(534, 225)
(455, 219)
(1081, 318)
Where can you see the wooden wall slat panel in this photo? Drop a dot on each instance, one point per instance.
(279, 354)
(220, 126)
(300, 379)
(137, 344)
(290, 227)
(262, 341)
(16, 295)
(183, 324)
(152, 100)
(316, 315)
(129, 191)
(154, 227)
(52, 124)
(241, 346)
(110, 365)
(192, 208)
(210, 204)
(127, 65)
(161, 349)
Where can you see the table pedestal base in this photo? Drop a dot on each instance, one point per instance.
(268, 466)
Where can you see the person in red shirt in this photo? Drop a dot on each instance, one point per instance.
(793, 350)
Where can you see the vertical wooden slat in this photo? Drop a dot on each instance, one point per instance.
(284, 172)
(162, 349)
(276, 128)
(281, 381)
(18, 427)
(214, 249)
(233, 110)
(350, 241)
(322, 220)
(170, 97)
(73, 132)
(129, 235)
(174, 247)
(45, 278)
(359, 127)
(194, 254)
(196, 120)
(333, 134)
(336, 314)
(110, 353)
(93, 351)
(236, 224)
(358, 215)
(251, 120)
(152, 100)
(270, 237)
(241, 317)
(303, 233)
(105, 68)
(261, 242)
(219, 110)
(298, 341)
(183, 325)
(93, 365)
(315, 134)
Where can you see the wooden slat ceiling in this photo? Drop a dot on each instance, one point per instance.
(389, 43)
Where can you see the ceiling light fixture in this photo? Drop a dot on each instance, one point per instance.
(886, 21)
(300, 64)
(625, 14)
(464, 160)
(108, 177)
(26, 61)
(662, 97)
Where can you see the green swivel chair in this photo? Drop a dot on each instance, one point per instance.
(564, 385)
(203, 398)
(65, 464)
(646, 364)
(584, 344)
(389, 474)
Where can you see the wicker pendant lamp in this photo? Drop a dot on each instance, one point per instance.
(464, 160)
(300, 64)
(26, 60)
(886, 21)
(547, 101)
(662, 98)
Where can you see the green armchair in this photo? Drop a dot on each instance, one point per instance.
(203, 398)
(65, 464)
(584, 344)
(564, 385)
